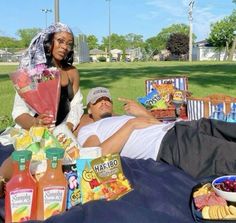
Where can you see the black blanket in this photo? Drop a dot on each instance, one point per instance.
(201, 148)
(161, 194)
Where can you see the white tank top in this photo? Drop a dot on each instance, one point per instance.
(142, 143)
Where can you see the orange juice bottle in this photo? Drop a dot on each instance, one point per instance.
(20, 199)
(52, 186)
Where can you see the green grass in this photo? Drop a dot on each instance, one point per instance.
(127, 80)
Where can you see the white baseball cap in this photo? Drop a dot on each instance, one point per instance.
(96, 93)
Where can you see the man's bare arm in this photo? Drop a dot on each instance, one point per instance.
(116, 142)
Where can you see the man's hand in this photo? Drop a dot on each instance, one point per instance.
(133, 108)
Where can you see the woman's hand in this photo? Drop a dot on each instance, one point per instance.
(45, 120)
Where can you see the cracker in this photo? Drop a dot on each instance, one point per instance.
(230, 216)
(232, 209)
(222, 211)
(205, 212)
(227, 210)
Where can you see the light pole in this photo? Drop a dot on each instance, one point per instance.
(109, 21)
(190, 16)
(56, 11)
(46, 15)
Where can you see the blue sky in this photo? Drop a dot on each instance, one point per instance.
(144, 17)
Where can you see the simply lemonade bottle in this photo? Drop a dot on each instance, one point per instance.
(52, 186)
(20, 199)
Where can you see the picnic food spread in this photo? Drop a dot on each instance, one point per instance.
(209, 205)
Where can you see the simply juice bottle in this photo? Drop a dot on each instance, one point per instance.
(52, 186)
(21, 190)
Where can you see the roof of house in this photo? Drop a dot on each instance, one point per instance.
(202, 43)
(96, 52)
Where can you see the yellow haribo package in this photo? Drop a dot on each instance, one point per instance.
(109, 173)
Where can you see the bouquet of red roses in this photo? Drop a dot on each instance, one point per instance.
(39, 88)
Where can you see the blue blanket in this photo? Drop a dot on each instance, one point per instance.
(161, 194)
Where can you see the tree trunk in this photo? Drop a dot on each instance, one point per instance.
(226, 56)
(232, 50)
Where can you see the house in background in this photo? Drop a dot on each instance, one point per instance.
(202, 50)
(133, 54)
(94, 54)
(5, 56)
(116, 55)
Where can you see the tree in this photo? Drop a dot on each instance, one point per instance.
(177, 44)
(8, 42)
(92, 42)
(134, 40)
(27, 35)
(117, 42)
(222, 34)
(158, 43)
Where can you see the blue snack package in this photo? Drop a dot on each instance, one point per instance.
(73, 190)
(153, 100)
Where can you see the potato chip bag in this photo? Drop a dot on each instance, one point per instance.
(22, 140)
(49, 140)
(73, 190)
(37, 133)
(165, 88)
(90, 188)
(108, 170)
(68, 141)
(153, 100)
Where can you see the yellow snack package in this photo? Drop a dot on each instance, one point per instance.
(37, 133)
(49, 140)
(90, 188)
(67, 141)
(22, 141)
(108, 170)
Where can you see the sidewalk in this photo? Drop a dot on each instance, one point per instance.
(9, 63)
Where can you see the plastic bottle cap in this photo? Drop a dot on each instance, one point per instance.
(17, 155)
(52, 152)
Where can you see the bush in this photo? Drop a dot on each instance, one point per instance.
(102, 59)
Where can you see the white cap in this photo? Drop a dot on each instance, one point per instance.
(96, 93)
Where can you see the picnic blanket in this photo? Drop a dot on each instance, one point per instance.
(161, 193)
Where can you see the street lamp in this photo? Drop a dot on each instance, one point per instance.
(46, 15)
(56, 11)
(190, 16)
(109, 21)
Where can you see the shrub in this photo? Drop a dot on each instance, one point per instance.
(102, 59)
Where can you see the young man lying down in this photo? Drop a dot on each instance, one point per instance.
(201, 148)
